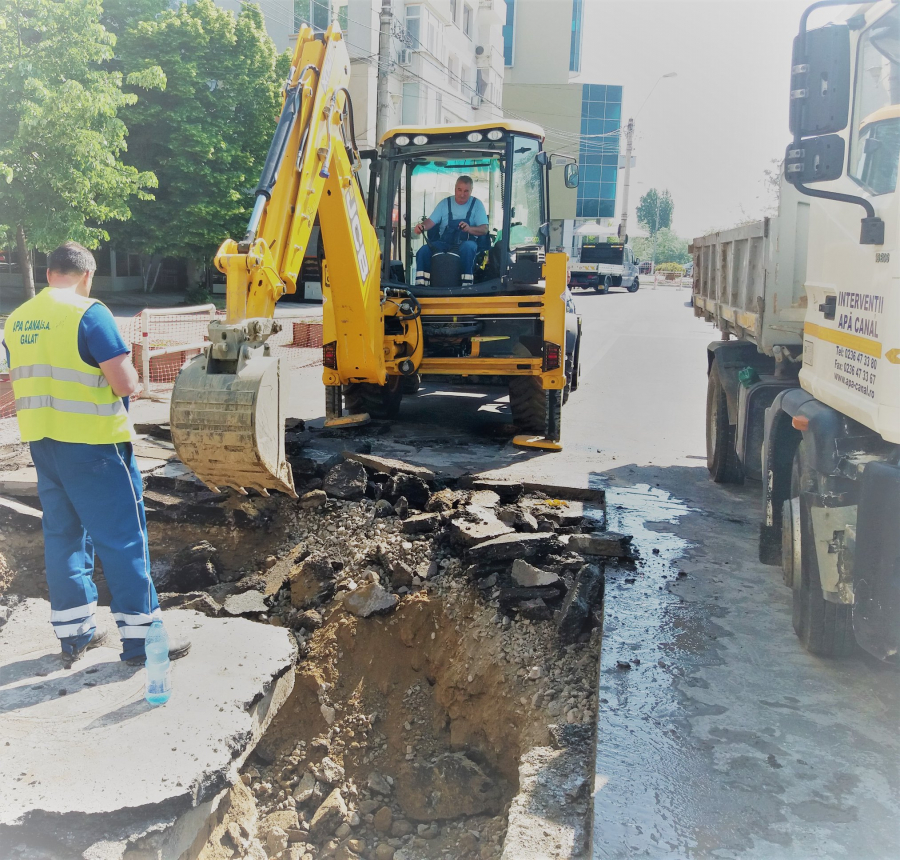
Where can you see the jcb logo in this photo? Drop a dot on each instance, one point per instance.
(356, 229)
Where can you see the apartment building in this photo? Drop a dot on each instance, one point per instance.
(543, 45)
(279, 16)
(446, 63)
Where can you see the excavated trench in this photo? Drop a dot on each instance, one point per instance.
(407, 729)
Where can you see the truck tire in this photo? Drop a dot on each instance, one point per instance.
(721, 456)
(380, 401)
(635, 285)
(823, 628)
(528, 404)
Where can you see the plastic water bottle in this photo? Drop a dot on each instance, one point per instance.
(159, 676)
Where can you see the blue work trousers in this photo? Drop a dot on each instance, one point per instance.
(466, 251)
(92, 496)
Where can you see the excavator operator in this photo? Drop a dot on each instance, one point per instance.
(457, 218)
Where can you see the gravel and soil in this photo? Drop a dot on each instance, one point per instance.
(448, 645)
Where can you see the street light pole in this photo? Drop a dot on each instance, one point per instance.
(629, 138)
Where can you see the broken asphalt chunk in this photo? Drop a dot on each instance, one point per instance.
(369, 599)
(390, 466)
(347, 480)
(512, 546)
(575, 612)
(421, 524)
(608, 544)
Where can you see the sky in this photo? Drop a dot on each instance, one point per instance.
(708, 134)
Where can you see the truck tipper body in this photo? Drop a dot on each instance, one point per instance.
(804, 385)
(603, 265)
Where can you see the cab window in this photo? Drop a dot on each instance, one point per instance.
(527, 194)
(875, 133)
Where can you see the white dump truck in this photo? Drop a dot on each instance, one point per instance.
(804, 386)
(604, 265)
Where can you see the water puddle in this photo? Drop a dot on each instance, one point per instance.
(647, 773)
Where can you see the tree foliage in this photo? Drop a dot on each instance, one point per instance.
(655, 210)
(670, 248)
(61, 133)
(207, 133)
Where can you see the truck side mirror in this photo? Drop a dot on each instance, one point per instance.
(816, 159)
(820, 81)
(570, 175)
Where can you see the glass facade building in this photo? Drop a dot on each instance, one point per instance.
(601, 120)
(509, 32)
(575, 50)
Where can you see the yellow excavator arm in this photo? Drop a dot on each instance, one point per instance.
(227, 413)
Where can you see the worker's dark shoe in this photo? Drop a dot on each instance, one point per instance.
(178, 647)
(97, 640)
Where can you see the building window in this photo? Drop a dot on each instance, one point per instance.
(316, 13)
(465, 78)
(411, 99)
(453, 10)
(467, 20)
(575, 51)
(509, 31)
(481, 83)
(453, 72)
(412, 25)
(432, 36)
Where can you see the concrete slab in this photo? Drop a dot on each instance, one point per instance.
(87, 766)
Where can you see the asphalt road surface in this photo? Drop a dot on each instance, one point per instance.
(723, 738)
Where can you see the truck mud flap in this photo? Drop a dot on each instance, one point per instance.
(876, 562)
(228, 428)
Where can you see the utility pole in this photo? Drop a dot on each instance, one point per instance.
(629, 137)
(655, 234)
(383, 103)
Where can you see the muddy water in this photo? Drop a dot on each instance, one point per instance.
(640, 709)
(727, 740)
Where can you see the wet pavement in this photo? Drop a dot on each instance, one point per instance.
(723, 738)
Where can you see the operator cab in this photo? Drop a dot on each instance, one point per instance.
(418, 169)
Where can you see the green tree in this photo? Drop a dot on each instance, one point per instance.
(655, 210)
(207, 133)
(61, 176)
(670, 248)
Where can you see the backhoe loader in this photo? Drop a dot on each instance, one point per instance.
(381, 333)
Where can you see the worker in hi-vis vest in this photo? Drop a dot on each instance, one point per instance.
(72, 376)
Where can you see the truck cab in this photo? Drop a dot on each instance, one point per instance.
(603, 265)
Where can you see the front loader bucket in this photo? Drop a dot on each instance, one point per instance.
(229, 427)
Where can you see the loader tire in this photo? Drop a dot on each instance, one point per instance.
(529, 404)
(823, 628)
(721, 455)
(380, 401)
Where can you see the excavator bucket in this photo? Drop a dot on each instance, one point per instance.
(229, 427)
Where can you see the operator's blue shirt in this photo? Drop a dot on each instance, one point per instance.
(439, 216)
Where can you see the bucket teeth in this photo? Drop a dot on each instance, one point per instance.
(229, 427)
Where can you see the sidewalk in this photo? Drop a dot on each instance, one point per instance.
(131, 304)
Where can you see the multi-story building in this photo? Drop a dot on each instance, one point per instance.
(278, 14)
(446, 61)
(543, 82)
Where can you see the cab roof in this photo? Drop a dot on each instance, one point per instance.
(511, 125)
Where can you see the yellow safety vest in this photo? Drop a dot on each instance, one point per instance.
(59, 396)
